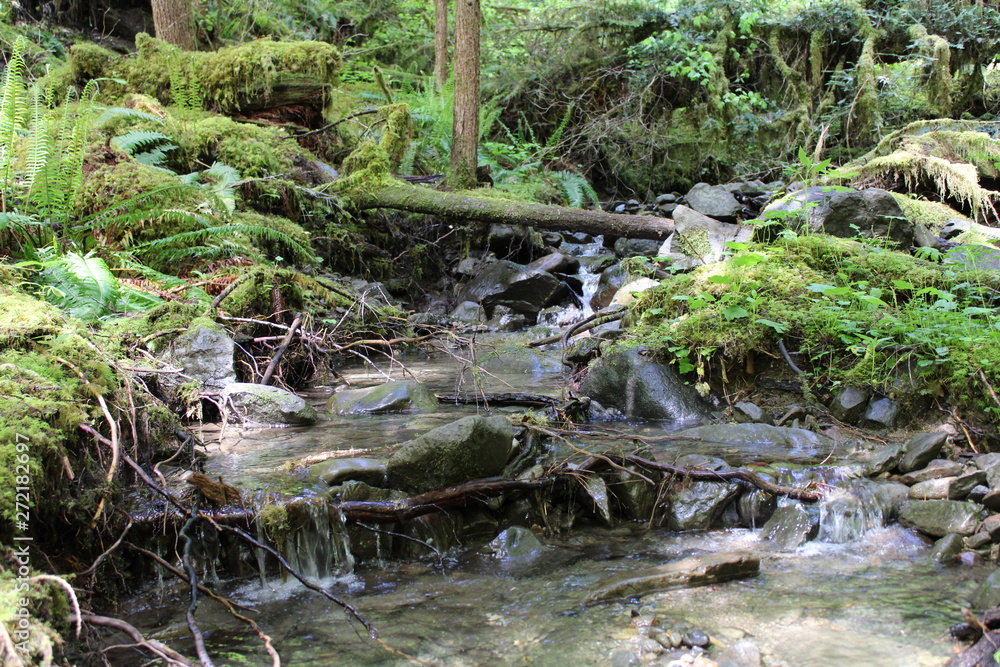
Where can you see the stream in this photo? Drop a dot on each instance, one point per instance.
(876, 599)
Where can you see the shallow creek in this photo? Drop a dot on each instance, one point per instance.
(878, 600)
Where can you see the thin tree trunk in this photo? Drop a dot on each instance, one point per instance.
(440, 44)
(173, 21)
(465, 127)
(416, 199)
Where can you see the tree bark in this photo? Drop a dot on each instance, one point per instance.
(465, 126)
(416, 199)
(173, 21)
(440, 44)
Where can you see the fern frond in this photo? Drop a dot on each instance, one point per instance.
(577, 190)
(82, 285)
(209, 240)
(13, 109)
(139, 141)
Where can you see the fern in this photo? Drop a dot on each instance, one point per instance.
(221, 182)
(218, 241)
(82, 285)
(576, 189)
(13, 110)
(149, 148)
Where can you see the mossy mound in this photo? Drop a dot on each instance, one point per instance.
(254, 75)
(856, 314)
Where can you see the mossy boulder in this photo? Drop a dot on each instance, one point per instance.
(470, 448)
(396, 396)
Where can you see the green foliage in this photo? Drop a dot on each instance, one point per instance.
(860, 315)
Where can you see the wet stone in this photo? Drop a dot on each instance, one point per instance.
(987, 596)
(396, 396)
(921, 450)
(937, 518)
(991, 525)
(977, 540)
(932, 489)
(936, 469)
(741, 653)
(978, 493)
(848, 405)
(703, 570)
(264, 404)
(789, 527)
(337, 471)
(695, 638)
(991, 500)
(946, 548)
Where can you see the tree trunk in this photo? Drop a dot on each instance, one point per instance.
(465, 127)
(173, 21)
(440, 44)
(416, 199)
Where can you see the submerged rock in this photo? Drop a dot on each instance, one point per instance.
(799, 440)
(396, 396)
(263, 404)
(701, 570)
(643, 389)
(470, 448)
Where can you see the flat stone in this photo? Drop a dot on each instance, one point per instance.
(932, 489)
(921, 449)
(264, 404)
(936, 469)
(937, 518)
(703, 570)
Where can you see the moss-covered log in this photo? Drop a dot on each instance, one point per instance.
(404, 197)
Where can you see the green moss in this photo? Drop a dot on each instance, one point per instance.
(931, 214)
(857, 314)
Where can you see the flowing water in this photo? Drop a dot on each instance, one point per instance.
(865, 594)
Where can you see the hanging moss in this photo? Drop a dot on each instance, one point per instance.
(865, 119)
(936, 78)
(371, 164)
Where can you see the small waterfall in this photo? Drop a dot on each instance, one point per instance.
(847, 514)
(589, 282)
(319, 546)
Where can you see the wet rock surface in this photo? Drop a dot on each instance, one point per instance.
(396, 396)
(263, 404)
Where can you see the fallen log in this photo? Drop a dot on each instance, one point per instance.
(396, 194)
(509, 399)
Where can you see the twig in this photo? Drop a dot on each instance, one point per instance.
(330, 125)
(166, 653)
(11, 656)
(788, 358)
(269, 371)
(585, 324)
(982, 376)
(100, 559)
(227, 603)
(226, 292)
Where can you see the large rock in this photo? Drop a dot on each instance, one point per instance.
(396, 396)
(611, 280)
(520, 288)
(870, 214)
(715, 201)
(697, 505)
(470, 448)
(263, 404)
(937, 518)
(205, 353)
(702, 238)
(640, 388)
(700, 570)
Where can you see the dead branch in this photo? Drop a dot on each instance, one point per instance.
(164, 652)
(269, 371)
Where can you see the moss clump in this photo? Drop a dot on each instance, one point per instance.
(857, 314)
(931, 214)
